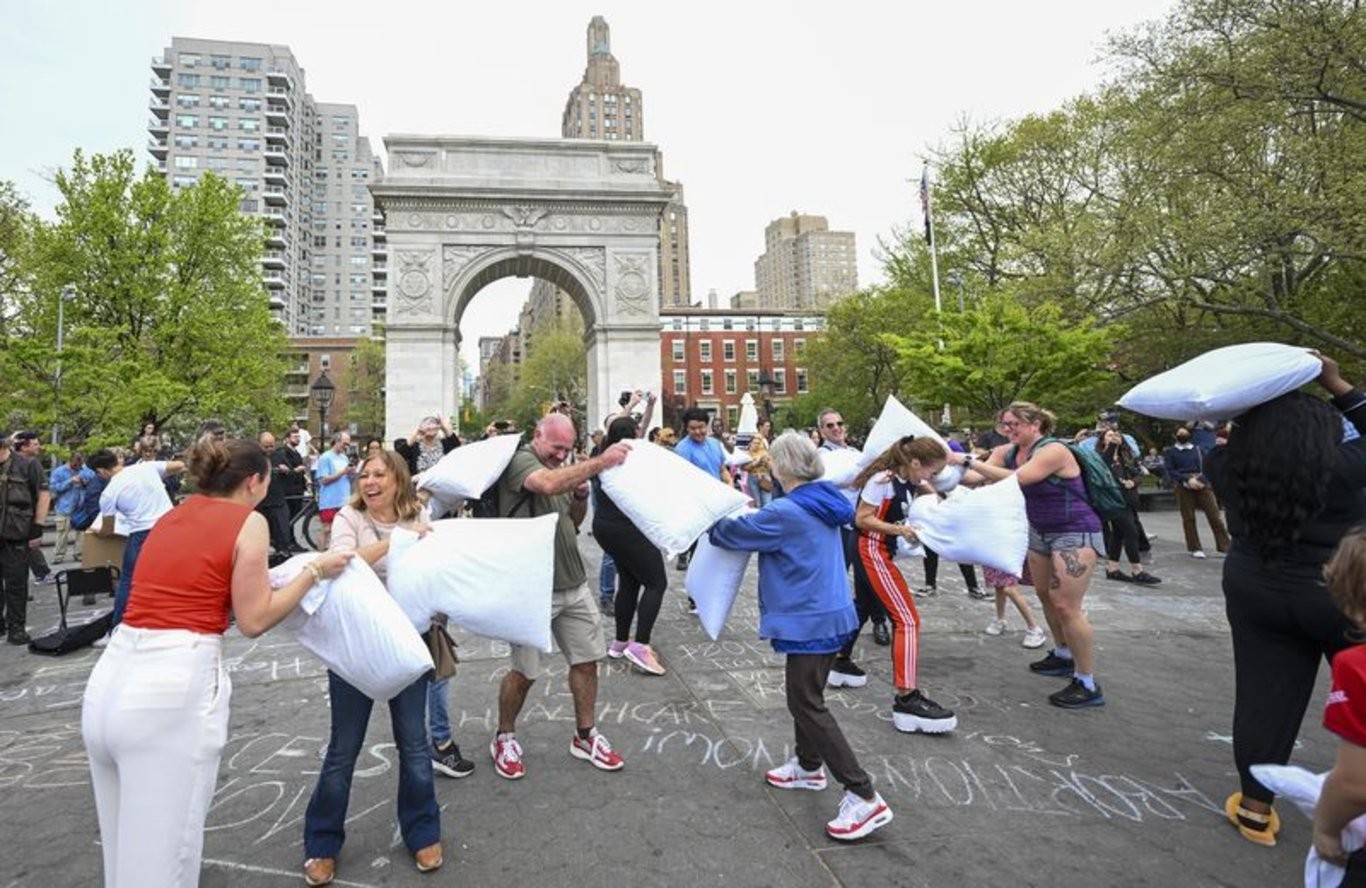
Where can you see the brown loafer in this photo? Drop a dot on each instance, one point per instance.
(429, 858)
(320, 870)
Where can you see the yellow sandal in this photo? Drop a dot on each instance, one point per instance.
(1254, 826)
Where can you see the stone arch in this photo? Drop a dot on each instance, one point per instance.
(563, 270)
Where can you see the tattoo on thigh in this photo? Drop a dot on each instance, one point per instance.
(1072, 562)
(1054, 582)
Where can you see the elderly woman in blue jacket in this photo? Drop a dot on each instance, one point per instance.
(806, 612)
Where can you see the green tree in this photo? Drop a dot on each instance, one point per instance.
(365, 383)
(556, 369)
(169, 322)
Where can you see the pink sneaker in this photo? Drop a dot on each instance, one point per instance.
(642, 656)
(507, 757)
(597, 751)
(617, 649)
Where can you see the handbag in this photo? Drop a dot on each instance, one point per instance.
(442, 648)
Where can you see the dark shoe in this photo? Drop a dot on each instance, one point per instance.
(976, 592)
(1053, 665)
(845, 673)
(18, 637)
(87, 600)
(447, 760)
(881, 634)
(320, 871)
(917, 713)
(682, 563)
(692, 605)
(1076, 696)
(607, 605)
(429, 858)
(1118, 576)
(1143, 578)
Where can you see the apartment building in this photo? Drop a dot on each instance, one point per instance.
(805, 266)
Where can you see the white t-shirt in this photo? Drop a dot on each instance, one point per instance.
(878, 490)
(137, 496)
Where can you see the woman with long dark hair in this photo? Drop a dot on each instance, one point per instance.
(1123, 529)
(1291, 488)
(641, 577)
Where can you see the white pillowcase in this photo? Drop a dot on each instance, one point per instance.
(356, 628)
(713, 581)
(894, 423)
(841, 466)
(1304, 788)
(1225, 382)
(985, 526)
(466, 472)
(667, 498)
(738, 457)
(490, 576)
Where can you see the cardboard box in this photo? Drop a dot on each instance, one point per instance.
(98, 551)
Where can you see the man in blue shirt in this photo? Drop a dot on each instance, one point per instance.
(703, 451)
(334, 474)
(68, 484)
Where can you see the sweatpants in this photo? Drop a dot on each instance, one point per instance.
(866, 603)
(1283, 623)
(155, 720)
(819, 738)
(891, 589)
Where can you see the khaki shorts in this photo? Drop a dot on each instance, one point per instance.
(576, 623)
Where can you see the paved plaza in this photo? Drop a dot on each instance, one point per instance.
(1021, 794)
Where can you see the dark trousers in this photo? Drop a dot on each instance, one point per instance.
(37, 562)
(866, 603)
(932, 570)
(1188, 501)
(277, 519)
(419, 817)
(14, 584)
(641, 578)
(1283, 623)
(819, 738)
(1121, 530)
(131, 550)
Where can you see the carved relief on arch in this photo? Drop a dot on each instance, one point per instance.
(454, 259)
(414, 287)
(591, 259)
(632, 290)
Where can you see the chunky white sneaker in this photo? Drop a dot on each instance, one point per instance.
(915, 712)
(793, 776)
(846, 674)
(995, 627)
(858, 817)
(1034, 638)
(1198, 553)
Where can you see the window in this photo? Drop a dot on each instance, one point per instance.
(247, 184)
(727, 324)
(252, 105)
(359, 261)
(250, 124)
(730, 382)
(680, 382)
(732, 417)
(798, 347)
(186, 121)
(728, 350)
(187, 100)
(248, 206)
(219, 103)
(219, 82)
(802, 387)
(218, 123)
(797, 325)
(360, 174)
(704, 350)
(708, 385)
(217, 143)
(751, 350)
(189, 59)
(250, 64)
(187, 81)
(248, 84)
(780, 381)
(320, 242)
(360, 278)
(220, 61)
(186, 141)
(248, 144)
(678, 351)
(778, 351)
(184, 162)
(752, 380)
(678, 323)
(704, 325)
(217, 164)
(183, 181)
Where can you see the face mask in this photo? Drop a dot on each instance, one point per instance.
(1182, 439)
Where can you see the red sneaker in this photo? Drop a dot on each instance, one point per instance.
(597, 751)
(507, 757)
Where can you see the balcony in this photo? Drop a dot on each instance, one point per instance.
(276, 154)
(274, 216)
(379, 288)
(379, 268)
(273, 259)
(161, 66)
(277, 76)
(155, 127)
(274, 279)
(277, 301)
(160, 87)
(275, 237)
(277, 113)
(277, 135)
(275, 194)
(277, 175)
(157, 148)
(160, 107)
(280, 93)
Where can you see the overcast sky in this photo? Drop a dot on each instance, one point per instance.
(759, 108)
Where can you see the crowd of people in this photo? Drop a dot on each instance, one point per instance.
(156, 708)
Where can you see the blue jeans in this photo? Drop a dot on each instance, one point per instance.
(419, 818)
(438, 711)
(131, 550)
(607, 578)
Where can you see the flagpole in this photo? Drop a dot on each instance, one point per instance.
(929, 235)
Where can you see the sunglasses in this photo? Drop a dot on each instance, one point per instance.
(834, 425)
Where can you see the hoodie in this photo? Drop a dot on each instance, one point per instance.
(804, 604)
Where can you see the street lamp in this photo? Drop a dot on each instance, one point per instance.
(67, 294)
(321, 392)
(955, 279)
(766, 383)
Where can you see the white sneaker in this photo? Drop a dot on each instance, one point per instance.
(858, 817)
(1034, 638)
(926, 592)
(793, 776)
(995, 627)
(1197, 554)
(102, 641)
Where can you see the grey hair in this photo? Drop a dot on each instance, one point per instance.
(795, 458)
(825, 411)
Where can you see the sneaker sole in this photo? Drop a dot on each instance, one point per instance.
(846, 681)
(439, 768)
(1094, 701)
(1033, 644)
(588, 757)
(877, 821)
(493, 751)
(797, 784)
(914, 724)
(643, 666)
(1055, 671)
(615, 655)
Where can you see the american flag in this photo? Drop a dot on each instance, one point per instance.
(925, 198)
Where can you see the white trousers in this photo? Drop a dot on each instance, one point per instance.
(155, 720)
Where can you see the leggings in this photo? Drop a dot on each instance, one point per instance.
(932, 570)
(639, 567)
(891, 589)
(1283, 623)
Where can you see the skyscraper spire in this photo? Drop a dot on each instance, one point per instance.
(599, 37)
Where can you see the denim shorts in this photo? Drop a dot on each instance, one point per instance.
(1048, 543)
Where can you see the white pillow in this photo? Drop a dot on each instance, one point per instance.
(841, 466)
(1304, 788)
(490, 576)
(948, 478)
(738, 457)
(894, 423)
(667, 498)
(356, 628)
(983, 526)
(466, 472)
(1225, 382)
(713, 581)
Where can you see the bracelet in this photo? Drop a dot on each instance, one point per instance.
(315, 570)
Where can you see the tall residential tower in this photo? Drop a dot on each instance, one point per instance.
(805, 265)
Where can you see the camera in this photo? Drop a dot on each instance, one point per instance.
(624, 399)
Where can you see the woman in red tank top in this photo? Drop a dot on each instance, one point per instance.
(155, 713)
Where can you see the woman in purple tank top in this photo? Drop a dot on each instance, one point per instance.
(1064, 541)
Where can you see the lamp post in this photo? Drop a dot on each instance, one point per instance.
(67, 294)
(321, 392)
(766, 383)
(955, 279)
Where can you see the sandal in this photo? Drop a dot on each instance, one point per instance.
(1254, 826)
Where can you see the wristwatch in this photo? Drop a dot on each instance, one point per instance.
(969, 459)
